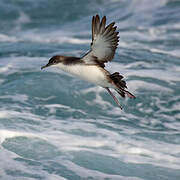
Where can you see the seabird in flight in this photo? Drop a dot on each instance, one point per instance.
(91, 67)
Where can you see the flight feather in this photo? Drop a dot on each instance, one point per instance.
(104, 42)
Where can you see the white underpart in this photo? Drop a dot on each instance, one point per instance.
(89, 73)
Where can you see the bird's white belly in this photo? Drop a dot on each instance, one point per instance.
(89, 73)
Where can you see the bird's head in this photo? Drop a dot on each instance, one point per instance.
(53, 61)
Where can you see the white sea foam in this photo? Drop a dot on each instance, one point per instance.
(54, 177)
(144, 150)
(17, 97)
(141, 150)
(60, 37)
(168, 75)
(54, 107)
(4, 114)
(51, 37)
(4, 69)
(6, 38)
(98, 99)
(4, 134)
(170, 52)
(14, 64)
(101, 135)
(137, 84)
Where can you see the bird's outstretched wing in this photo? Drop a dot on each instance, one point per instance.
(104, 42)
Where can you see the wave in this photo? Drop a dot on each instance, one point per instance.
(55, 126)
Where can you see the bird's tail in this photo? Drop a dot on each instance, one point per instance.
(120, 85)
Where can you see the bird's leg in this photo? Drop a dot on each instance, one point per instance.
(115, 99)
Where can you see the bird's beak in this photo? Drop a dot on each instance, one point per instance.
(47, 65)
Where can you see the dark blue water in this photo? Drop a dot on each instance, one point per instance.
(56, 127)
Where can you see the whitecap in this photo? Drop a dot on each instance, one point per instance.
(8, 38)
(4, 134)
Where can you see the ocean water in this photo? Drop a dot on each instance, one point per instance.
(56, 127)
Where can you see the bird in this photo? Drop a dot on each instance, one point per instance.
(91, 66)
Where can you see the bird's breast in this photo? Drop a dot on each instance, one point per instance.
(91, 73)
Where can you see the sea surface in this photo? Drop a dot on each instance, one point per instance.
(54, 126)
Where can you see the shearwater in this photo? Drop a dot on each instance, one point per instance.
(91, 67)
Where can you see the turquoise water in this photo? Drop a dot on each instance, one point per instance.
(56, 127)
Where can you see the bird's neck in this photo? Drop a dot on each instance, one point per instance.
(68, 60)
